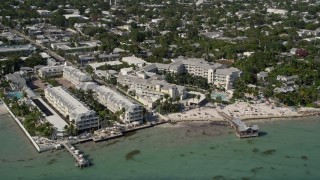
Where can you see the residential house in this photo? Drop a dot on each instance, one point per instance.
(226, 77)
(132, 60)
(262, 75)
(141, 80)
(51, 71)
(16, 82)
(75, 76)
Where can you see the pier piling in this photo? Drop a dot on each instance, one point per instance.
(242, 129)
(80, 160)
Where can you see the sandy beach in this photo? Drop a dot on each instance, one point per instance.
(245, 110)
(200, 128)
(242, 110)
(197, 114)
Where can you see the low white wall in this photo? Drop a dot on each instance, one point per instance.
(163, 117)
(23, 129)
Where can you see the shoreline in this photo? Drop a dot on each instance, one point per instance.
(257, 119)
(4, 108)
(173, 123)
(214, 123)
(243, 111)
(282, 118)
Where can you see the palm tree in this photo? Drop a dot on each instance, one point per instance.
(157, 103)
(123, 111)
(177, 98)
(102, 117)
(144, 112)
(162, 98)
(71, 129)
(166, 96)
(75, 131)
(198, 97)
(66, 128)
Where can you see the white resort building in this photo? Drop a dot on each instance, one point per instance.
(68, 106)
(194, 66)
(116, 102)
(197, 67)
(215, 73)
(151, 85)
(226, 77)
(75, 75)
(132, 60)
(50, 71)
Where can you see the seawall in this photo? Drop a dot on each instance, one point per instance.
(23, 129)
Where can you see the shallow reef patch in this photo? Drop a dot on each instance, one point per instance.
(131, 154)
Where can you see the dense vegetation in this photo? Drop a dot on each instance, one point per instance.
(105, 115)
(31, 118)
(267, 35)
(167, 105)
(14, 63)
(186, 79)
(114, 67)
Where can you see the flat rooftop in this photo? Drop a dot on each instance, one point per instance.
(51, 116)
(117, 99)
(133, 59)
(66, 98)
(243, 126)
(26, 47)
(111, 63)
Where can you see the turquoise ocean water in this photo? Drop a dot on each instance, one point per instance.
(288, 150)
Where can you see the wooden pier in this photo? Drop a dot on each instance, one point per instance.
(80, 161)
(242, 129)
(101, 136)
(225, 117)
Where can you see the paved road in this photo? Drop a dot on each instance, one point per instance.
(42, 47)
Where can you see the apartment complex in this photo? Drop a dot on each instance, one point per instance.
(70, 107)
(194, 66)
(151, 85)
(116, 102)
(226, 77)
(75, 75)
(16, 81)
(50, 71)
(83, 45)
(199, 67)
(132, 60)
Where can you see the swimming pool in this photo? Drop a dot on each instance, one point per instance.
(223, 96)
(16, 94)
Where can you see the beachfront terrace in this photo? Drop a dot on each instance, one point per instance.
(246, 110)
(196, 114)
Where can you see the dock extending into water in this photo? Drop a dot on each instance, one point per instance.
(80, 160)
(242, 129)
(105, 135)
